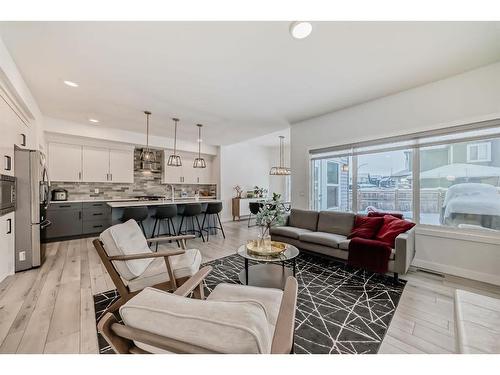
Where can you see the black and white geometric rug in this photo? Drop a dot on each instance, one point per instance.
(340, 309)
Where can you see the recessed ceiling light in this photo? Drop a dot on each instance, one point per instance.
(95, 121)
(71, 83)
(300, 29)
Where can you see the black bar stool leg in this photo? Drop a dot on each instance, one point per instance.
(180, 226)
(199, 228)
(154, 228)
(221, 228)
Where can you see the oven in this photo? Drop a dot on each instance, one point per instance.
(7, 194)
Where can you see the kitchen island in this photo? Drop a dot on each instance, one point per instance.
(118, 207)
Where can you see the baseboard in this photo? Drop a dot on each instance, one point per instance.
(457, 271)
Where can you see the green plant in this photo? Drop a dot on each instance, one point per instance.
(271, 213)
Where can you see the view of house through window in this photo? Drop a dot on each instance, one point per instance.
(459, 181)
(460, 184)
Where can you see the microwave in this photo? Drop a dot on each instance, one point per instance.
(7, 194)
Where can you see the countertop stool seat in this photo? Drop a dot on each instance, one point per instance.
(191, 210)
(139, 214)
(165, 214)
(212, 212)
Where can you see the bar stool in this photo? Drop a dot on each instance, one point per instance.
(212, 211)
(191, 210)
(254, 210)
(139, 214)
(167, 213)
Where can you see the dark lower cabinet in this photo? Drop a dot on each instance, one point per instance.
(77, 219)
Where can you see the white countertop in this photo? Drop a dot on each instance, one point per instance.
(159, 202)
(95, 200)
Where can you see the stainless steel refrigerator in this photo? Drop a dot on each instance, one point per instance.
(33, 189)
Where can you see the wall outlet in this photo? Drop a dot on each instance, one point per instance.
(22, 256)
(96, 191)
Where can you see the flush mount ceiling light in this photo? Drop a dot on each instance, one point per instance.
(71, 83)
(280, 170)
(199, 162)
(174, 160)
(93, 120)
(300, 29)
(147, 156)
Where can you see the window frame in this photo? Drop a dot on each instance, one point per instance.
(477, 144)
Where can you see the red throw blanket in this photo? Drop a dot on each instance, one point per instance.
(371, 255)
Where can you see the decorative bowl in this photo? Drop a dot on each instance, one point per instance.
(274, 250)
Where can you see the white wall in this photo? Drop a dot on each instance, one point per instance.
(244, 164)
(248, 164)
(464, 98)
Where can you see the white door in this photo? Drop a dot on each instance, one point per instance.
(189, 174)
(95, 164)
(204, 174)
(65, 162)
(121, 166)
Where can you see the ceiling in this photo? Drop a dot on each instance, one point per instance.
(239, 79)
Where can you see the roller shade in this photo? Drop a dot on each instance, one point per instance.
(463, 133)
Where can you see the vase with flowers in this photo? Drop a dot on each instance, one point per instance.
(271, 213)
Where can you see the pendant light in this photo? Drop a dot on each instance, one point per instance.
(199, 162)
(281, 170)
(174, 160)
(147, 156)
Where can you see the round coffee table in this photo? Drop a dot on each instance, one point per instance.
(268, 273)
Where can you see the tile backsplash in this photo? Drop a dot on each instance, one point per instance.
(144, 184)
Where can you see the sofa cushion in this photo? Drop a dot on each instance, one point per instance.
(344, 244)
(126, 239)
(366, 227)
(183, 265)
(336, 222)
(287, 231)
(322, 238)
(227, 327)
(305, 219)
(392, 228)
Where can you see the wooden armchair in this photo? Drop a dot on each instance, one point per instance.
(233, 319)
(133, 266)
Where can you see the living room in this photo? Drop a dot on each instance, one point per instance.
(321, 182)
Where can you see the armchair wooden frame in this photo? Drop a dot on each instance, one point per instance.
(123, 290)
(121, 337)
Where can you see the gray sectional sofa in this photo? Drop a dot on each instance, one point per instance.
(326, 233)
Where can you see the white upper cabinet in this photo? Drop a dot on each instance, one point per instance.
(121, 166)
(65, 162)
(186, 174)
(95, 164)
(77, 163)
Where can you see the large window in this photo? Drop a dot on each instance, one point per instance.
(450, 179)
(331, 184)
(385, 182)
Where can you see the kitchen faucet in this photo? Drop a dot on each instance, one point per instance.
(172, 189)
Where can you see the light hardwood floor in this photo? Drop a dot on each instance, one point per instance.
(51, 310)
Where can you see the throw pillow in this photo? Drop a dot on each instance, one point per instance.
(366, 227)
(391, 228)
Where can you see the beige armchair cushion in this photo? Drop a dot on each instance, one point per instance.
(184, 265)
(218, 325)
(126, 239)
